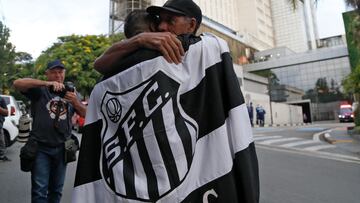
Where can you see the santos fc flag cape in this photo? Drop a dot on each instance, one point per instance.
(160, 132)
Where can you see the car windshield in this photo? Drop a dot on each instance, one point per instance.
(7, 100)
(345, 110)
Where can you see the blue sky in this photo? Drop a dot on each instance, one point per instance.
(36, 24)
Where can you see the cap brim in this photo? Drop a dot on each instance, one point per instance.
(53, 67)
(155, 10)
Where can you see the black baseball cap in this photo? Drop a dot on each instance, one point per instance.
(55, 64)
(181, 7)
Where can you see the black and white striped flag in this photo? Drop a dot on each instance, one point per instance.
(159, 132)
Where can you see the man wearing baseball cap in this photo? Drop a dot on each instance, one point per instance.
(178, 17)
(206, 57)
(51, 127)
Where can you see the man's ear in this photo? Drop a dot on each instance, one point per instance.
(192, 26)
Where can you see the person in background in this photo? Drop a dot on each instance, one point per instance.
(257, 114)
(3, 113)
(52, 107)
(251, 113)
(261, 113)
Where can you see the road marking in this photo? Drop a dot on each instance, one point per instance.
(266, 137)
(319, 147)
(341, 141)
(272, 141)
(319, 154)
(293, 144)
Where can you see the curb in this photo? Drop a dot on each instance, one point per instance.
(327, 138)
(324, 136)
(286, 124)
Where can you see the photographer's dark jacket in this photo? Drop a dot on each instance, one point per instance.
(51, 117)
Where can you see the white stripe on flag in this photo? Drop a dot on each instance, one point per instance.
(175, 142)
(119, 180)
(153, 149)
(239, 128)
(140, 176)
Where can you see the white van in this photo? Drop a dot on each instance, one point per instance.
(11, 131)
(13, 108)
(11, 122)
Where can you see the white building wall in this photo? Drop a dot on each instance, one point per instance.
(289, 25)
(251, 19)
(311, 25)
(286, 114)
(255, 23)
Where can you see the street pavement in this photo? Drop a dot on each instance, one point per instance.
(16, 185)
(295, 167)
(331, 140)
(288, 176)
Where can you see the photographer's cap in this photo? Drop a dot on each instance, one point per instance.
(55, 64)
(181, 7)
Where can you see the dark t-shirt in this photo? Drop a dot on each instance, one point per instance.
(51, 116)
(2, 105)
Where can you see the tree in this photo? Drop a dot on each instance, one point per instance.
(7, 57)
(78, 54)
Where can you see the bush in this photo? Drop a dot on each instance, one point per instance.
(357, 116)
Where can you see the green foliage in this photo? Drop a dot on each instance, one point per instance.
(357, 117)
(352, 81)
(78, 54)
(7, 58)
(352, 27)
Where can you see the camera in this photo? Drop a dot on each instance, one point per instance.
(69, 87)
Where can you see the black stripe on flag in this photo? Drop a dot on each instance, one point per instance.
(166, 153)
(218, 92)
(129, 176)
(184, 133)
(149, 170)
(240, 185)
(88, 169)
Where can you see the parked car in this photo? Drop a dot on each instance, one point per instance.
(346, 113)
(11, 131)
(13, 108)
(78, 121)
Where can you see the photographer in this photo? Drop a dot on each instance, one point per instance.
(52, 106)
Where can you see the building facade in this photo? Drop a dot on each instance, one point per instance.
(318, 73)
(294, 28)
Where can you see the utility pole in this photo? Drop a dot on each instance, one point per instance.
(270, 97)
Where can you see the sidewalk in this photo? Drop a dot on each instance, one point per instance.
(339, 136)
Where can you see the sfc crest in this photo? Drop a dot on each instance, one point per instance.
(148, 140)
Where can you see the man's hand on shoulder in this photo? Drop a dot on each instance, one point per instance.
(165, 42)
